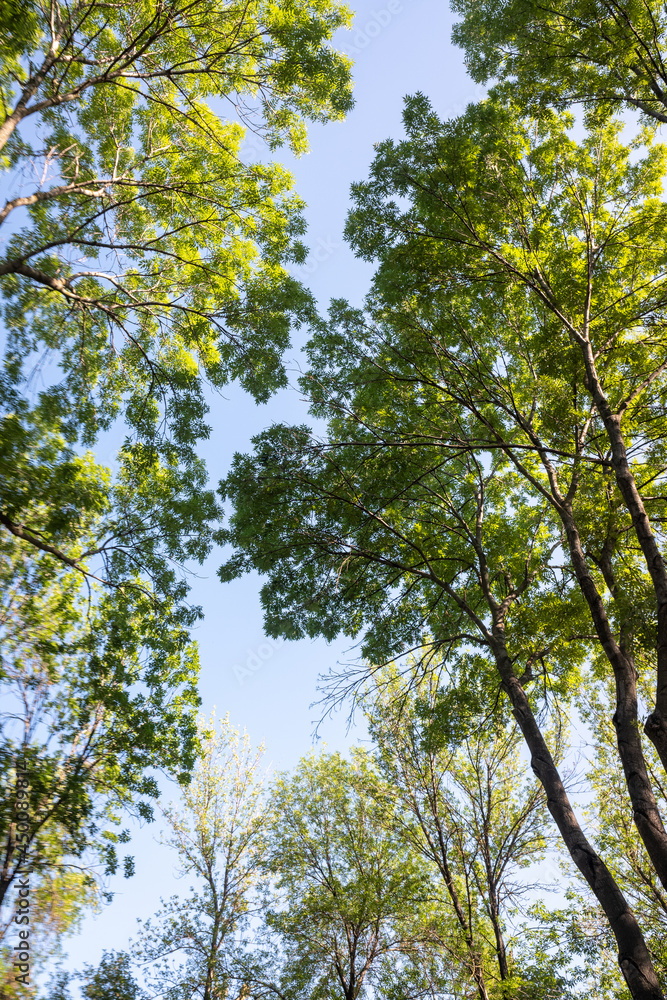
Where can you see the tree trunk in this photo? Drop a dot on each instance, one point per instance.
(501, 951)
(633, 955)
(442, 861)
(656, 726)
(646, 814)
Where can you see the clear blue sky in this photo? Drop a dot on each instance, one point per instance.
(399, 47)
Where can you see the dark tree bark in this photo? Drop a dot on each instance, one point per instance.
(633, 956)
(656, 724)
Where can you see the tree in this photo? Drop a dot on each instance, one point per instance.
(96, 698)
(345, 886)
(146, 258)
(143, 263)
(491, 481)
(112, 978)
(601, 54)
(578, 927)
(468, 812)
(191, 946)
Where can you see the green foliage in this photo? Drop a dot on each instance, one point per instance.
(472, 817)
(192, 947)
(598, 53)
(144, 263)
(98, 693)
(578, 931)
(150, 258)
(489, 489)
(152, 255)
(460, 400)
(112, 979)
(346, 888)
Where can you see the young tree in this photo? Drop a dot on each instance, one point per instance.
(468, 811)
(191, 947)
(346, 888)
(491, 481)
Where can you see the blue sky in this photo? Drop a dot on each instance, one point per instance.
(399, 47)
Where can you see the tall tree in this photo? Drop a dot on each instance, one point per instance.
(190, 946)
(491, 480)
(143, 259)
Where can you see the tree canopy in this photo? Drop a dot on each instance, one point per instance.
(192, 946)
(143, 256)
(482, 510)
(601, 55)
(144, 265)
(490, 483)
(345, 887)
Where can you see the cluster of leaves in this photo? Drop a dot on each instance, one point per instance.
(191, 945)
(144, 257)
(97, 697)
(596, 53)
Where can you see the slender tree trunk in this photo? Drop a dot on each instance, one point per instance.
(442, 862)
(501, 951)
(656, 724)
(646, 814)
(216, 942)
(633, 956)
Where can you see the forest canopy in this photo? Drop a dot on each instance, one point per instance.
(476, 500)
